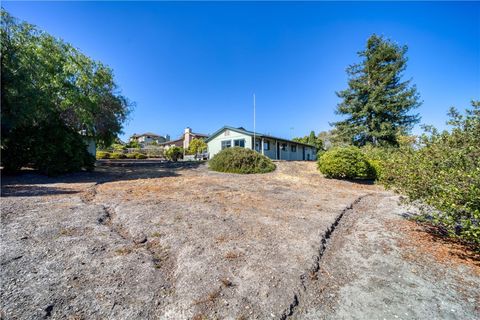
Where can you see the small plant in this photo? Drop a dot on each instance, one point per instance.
(346, 163)
(103, 155)
(123, 251)
(174, 153)
(231, 255)
(140, 156)
(226, 282)
(241, 160)
(131, 155)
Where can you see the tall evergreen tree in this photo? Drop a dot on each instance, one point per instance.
(377, 102)
(312, 139)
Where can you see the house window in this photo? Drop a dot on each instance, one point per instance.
(266, 145)
(284, 147)
(226, 144)
(293, 148)
(239, 143)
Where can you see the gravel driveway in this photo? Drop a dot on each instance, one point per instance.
(155, 240)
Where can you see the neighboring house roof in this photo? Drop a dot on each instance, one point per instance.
(175, 142)
(250, 133)
(149, 134)
(199, 135)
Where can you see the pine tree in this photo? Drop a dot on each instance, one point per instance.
(377, 103)
(312, 139)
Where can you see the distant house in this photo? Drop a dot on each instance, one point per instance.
(273, 147)
(185, 139)
(149, 138)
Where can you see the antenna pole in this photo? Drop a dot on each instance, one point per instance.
(254, 136)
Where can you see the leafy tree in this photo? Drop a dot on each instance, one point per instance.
(377, 102)
(133, 144)
(46, 82)
(301, 139)
(197, 146)
(174, 153)
(311, 140)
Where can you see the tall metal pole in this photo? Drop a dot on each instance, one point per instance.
(254, 135)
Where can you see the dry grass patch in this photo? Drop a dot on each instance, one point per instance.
(124, 251)
(231, 255)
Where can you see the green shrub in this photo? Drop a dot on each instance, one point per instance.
(346, 163)
(118, 147)
(140, 156)
(103, 155)
(196, 146)
(131, 155)
(49, 146)
(117, 155)
(174, 153)
(442, 170)
(241, 160)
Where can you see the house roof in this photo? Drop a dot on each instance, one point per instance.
(145, 134)
(171, 142)
(250, 133)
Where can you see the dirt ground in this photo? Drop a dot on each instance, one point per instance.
(154, 240)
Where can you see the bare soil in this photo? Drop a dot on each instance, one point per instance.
(158, 240)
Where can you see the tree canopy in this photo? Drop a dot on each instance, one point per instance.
(197, 146)
(311, 139)
(46, 82)
(377, 103)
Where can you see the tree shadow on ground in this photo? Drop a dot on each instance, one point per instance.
(34, 191)
(26, 182)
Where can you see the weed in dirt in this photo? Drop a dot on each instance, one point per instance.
(123, 251)
(226, 282)
(159, 253)
(68, 232)
(231, 255)
(313, 276)
(221, 238)
(211, 297)
(156, 235)
(199, 316)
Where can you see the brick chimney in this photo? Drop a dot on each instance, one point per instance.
(187, 137)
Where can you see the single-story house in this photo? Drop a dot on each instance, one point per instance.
(184, 140)
(273, 147)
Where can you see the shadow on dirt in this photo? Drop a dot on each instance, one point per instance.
(26, 183)
(34, 191)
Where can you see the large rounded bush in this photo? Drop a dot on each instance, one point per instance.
(241, 160)
(103, 155)
(346, 163)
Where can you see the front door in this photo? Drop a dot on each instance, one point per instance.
(278, 151)
(303, 153)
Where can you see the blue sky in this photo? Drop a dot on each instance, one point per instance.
(198, 64)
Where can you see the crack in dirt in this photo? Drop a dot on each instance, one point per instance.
(313, 271)
(157, 253)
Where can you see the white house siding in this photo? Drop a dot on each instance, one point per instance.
(215, 145)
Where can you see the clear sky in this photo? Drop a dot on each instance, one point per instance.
(198, 64)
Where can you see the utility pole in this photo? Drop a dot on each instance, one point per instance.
(254, 135)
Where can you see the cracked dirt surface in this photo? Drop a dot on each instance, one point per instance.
(152, 240)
